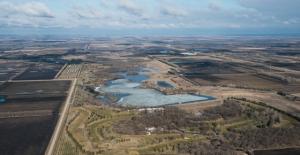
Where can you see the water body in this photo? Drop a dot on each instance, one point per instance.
(131, 94)
(164, 84)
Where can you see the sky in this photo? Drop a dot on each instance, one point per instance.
(150, 17)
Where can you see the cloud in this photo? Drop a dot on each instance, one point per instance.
(86, 12)
(173, 11)
(130, 7)
(150, 13)
(279, 8)
(35, 9)
(214, 6)
(277, 13)
(30, 14)
(30, 9)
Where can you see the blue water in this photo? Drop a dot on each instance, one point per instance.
(131, 94)
(164, 84)
(136, 78)
(2, 100)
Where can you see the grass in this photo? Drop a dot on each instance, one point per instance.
(286, 120)
(76, 127)
(92, 130)
(167, 146)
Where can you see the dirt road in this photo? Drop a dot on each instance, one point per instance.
(61, 122)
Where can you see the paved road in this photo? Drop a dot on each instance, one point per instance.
(61, 122)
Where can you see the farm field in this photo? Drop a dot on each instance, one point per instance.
(236, 74)
(29, 114)
(39, 72)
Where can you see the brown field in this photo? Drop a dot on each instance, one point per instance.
(29, 115)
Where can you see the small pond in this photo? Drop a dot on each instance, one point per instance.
(164, 84)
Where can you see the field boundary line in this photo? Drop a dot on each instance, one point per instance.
(60, 71)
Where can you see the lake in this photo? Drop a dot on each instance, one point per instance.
(129, 93)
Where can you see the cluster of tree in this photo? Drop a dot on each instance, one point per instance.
(263, 138)
(288, 96)
(168, 119)
(281, 93)
(274, 77)
(265, 118)
(215, 147)
(229, 109)
(267, 106)
(261, 117)
(172, 118)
